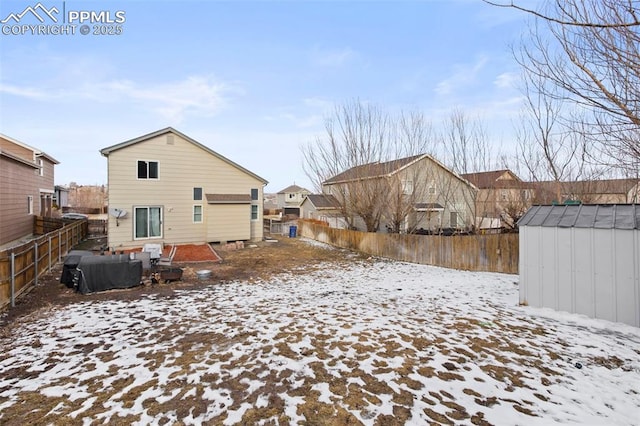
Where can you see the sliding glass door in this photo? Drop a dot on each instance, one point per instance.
(148, 222)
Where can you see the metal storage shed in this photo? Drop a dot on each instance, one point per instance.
(583, 259)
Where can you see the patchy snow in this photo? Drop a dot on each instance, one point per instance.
(361, 343)
(316, 243)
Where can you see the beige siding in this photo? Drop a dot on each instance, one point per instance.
(182, 166)
(453, 193)
(257, 227)
(228, 222)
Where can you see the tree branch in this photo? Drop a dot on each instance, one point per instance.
(634, 23)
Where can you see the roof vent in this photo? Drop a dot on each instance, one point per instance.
(169, 139)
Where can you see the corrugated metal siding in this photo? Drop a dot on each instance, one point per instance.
(594, 271)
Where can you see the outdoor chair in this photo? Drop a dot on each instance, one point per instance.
(166, 261)
(154, 250)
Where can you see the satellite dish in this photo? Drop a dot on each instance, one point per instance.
(117, 213)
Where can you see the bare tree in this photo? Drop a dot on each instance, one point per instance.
(466, 143)
(88, 196)
(592, 62)
(412, 137)
(549, 147)
(356, 135)
(354, 160)
(467, 149)
(633, 22)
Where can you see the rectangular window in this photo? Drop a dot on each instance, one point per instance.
(29, 204)
(254, 194)
(504, 195)
(407, 187)
(254, 212)
(41, 164)
(432, 190)
(453, 219)
(147, 222)
(197, 214)
(197, 194)
(147, 169)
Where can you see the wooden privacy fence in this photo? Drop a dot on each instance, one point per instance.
(21, 266)
(493, 252)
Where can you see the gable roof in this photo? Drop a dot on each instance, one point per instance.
(108, 150)
(293, 188)
(323, 201)
(36, 151)
(603, 186)
(491, 179)
(602, 216)
(388, 168)
(374, 170)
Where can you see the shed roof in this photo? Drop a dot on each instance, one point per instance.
(323, 201)
(603, 216)
(228, 198)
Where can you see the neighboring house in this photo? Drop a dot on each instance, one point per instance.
(411, 194)
(61, 196)
(165, 187)
(605, 191)
(502, 198)
(322, 207)
(26, 188)
(290, 199)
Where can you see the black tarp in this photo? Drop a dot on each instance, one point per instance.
(69, 266)
(99, 273)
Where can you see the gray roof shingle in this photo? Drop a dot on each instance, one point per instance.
(601, 216)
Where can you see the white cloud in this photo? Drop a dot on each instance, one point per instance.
(462, 76)
(24, 92)
(332, 57)
(506, 80)
(320, 103)
(194, 95)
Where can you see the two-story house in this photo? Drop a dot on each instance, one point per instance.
(26, 187)
(165, 187)
(290, 199)
(411, 194)
(502, 198)
(595, 191)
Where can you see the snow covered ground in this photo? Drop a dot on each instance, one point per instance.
(374, 342)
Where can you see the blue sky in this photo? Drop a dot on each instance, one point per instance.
(251, 80)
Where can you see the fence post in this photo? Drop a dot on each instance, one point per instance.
(13, 280)
(35, 263)
(49, 256)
